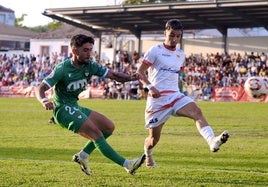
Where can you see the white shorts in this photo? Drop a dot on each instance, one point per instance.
(158, 110)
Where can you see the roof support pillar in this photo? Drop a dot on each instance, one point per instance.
(181, 44)
(224, 38)
(100, 34)
(138, 36)
(139, 46)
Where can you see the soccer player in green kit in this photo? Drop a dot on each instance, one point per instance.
(69, 79)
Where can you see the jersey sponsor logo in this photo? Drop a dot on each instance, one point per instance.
(169, 70)
(168, 55)
(154, 120)
(77, 85)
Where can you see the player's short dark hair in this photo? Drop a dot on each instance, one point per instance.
(174, 24)
(80, 39)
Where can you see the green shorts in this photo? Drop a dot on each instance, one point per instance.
(71, 116)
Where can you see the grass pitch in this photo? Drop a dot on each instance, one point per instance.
(36, 153)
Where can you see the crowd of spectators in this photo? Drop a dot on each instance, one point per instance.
(197, 77)
(26, 70)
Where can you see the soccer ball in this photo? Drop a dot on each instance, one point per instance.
(256, 87)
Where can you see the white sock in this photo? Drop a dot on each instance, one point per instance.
(207, 133)
(83, 154)
(148, 151)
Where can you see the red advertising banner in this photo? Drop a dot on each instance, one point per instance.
(224, 94)
(29, 91)
(17, 91)
(233, 94)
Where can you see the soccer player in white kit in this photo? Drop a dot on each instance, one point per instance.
(159, 72)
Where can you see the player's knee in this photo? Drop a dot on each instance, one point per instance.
(197, 113)
(110, 127)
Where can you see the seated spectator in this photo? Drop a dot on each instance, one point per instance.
(207, 92)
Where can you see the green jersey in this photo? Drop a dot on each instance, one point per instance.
(70, 81)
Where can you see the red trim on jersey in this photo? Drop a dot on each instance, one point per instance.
(165, 106)
(165, 92)
(147, 63)
(169, 47)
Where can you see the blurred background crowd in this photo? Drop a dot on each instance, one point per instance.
(199, 75)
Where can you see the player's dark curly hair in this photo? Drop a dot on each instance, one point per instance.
(80, 39)
(174, 24)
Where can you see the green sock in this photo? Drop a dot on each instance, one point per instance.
(89, 147)
(106, 150)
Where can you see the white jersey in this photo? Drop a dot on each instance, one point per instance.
(163, 74)
(165, 65)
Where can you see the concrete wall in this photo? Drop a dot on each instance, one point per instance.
(236, 44)
(213, 45)
(190, 45)
(54, 45)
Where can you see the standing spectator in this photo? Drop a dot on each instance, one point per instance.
(118, 60)
(135, 57)
(125, 57)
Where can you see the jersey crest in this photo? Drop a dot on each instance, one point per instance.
(86, 73)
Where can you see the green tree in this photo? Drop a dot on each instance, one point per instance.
(53, 25)
(45, 28)
(132, 2)
(136, 2)
(19, 21)
(41, 28)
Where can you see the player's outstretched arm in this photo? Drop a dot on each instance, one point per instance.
(122, 77)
